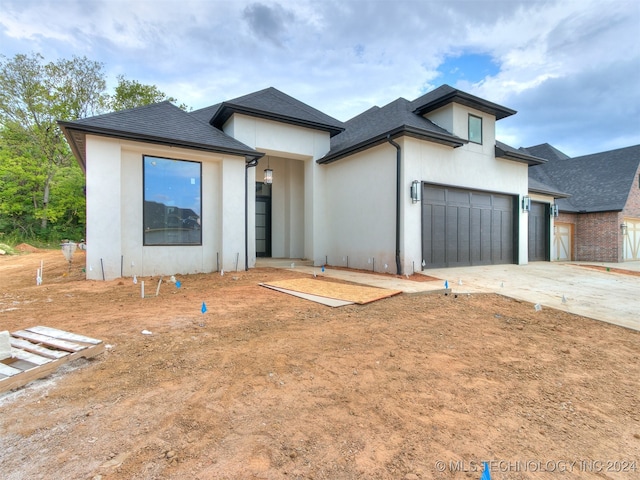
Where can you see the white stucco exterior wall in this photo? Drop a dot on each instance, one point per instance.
(115, 210)
(104, 208)
(360, 193)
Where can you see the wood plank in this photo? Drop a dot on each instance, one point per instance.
(52, 342)
(8, 371)
(27, 376)
(62, 335)
(38, 349)
(17, 378)
(29, 357)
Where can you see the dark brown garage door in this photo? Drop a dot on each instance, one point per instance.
(539, 232)
(466, 227)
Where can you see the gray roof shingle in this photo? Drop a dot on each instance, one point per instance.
(544, 150)
(503, 150)
(161, 123)
(446, 94)
(271, 104)
(373, 126)
(600, 182)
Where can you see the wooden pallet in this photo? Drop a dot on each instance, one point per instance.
(38, 351)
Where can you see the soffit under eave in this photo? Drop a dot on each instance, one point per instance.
(77, 142)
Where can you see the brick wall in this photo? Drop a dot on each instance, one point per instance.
(598, 237)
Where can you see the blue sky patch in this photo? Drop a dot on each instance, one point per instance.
(470, 67)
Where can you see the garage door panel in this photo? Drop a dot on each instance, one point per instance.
(464, 235)
(477, 227)
(433, 219)
(538, 236)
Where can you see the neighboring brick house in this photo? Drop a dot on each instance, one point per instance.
(600, 219)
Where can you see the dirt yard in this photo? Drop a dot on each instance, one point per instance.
(268, 386)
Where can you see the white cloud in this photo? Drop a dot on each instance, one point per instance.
(343, 56)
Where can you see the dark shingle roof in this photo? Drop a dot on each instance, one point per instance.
(505, 151)
(544, 150)
(600, 182)
(206, 114)
(161, 123)
(373, 126)
(536, 186)
(446, 94)
(271, 104)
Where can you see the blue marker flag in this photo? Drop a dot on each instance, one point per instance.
(486, 475)
(446, 284)
(178, 284)
(204, 308)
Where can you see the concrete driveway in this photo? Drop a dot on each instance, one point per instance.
(575, 288)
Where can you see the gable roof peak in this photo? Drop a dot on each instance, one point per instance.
(272, 104)
(547, 151)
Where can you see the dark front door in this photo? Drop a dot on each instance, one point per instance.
(263, 220)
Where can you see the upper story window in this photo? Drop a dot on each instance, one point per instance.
(475, 129)
(172, 202)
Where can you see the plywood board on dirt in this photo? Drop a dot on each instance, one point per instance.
(62, 335)
(329, 302)
(341, 291)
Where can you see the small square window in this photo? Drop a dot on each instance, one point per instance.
(475, 129)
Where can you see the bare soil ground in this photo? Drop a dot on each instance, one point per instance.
(269, 386)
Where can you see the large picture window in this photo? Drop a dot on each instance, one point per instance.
(475, 129)
(172, 202)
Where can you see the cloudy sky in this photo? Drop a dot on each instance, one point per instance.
(570, 68)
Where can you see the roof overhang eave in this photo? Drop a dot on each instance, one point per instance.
(226, 111)
(467, 100)
(413, 132)
(152, 139)
(75, 149)
(519, 157)
(551, 193)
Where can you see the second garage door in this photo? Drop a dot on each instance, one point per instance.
(539, 248)
(466, 227)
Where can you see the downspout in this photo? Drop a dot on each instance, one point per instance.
(250, 162)
(398, 191)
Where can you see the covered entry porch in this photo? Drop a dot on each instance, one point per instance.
(283, 214)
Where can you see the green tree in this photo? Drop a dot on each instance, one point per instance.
(33, 96)
(41, 185)
(131, 94)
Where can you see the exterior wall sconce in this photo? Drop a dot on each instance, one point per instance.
(623, 228)
(268, 174)
(555, 211)
(415, 191)
(526, 203)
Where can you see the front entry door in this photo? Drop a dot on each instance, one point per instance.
(263, 221)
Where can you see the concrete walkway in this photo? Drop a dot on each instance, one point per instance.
(572, 287)
(601, 295)
(375, 280)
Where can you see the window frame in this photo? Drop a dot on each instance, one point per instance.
(145, 242)
(476, 117)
